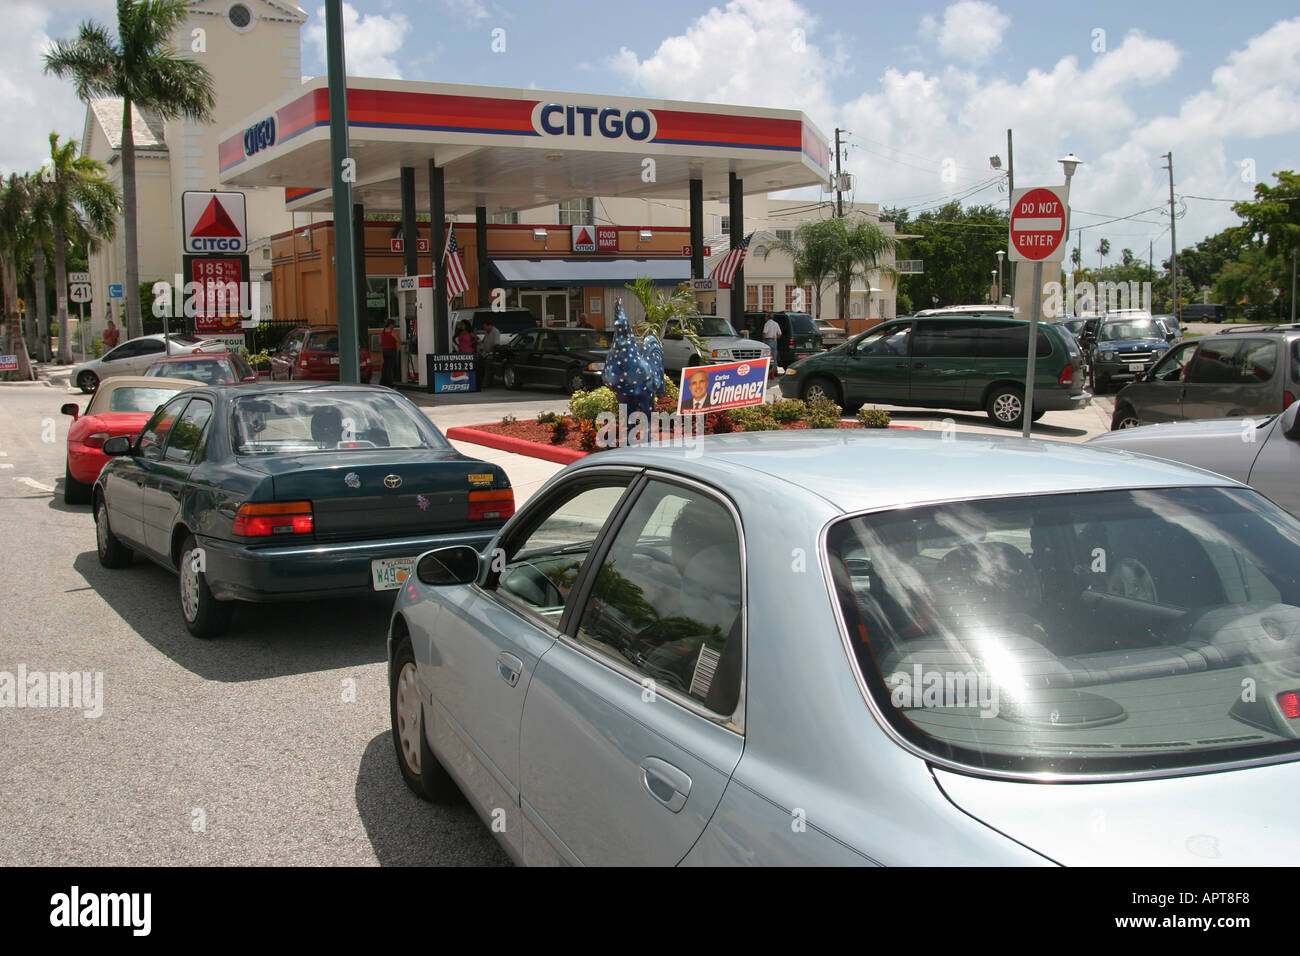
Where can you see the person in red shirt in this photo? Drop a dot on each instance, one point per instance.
(466, 342)
(110, 336)
(389, 342)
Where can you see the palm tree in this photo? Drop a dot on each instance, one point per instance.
(15, 204)
(142, 68)
(1103, 250)
(74, 200)
(865, 245)
(813, 248)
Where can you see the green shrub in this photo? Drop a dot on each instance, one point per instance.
(508, 419)
(549, 418)
(754, 418)
(873, 417)
(97, 346)
(258, 360)
(788, 410)
(720, 423)
(671, 390)
(587, 432)
(822, 413)
(585, 406)
(559, 429)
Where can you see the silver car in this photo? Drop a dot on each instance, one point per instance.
(854, 648)
(134, 356)
(1262, 452)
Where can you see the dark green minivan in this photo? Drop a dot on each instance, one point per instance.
(962, 358)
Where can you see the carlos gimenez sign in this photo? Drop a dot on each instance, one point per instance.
(559, 119)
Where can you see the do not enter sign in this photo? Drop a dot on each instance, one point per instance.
(1037, 232)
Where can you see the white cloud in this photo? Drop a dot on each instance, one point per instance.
(369, 42)
(469, 10)
(971, 30)
(771, 60)
(32, 103)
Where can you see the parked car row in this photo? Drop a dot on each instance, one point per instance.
(134, 357)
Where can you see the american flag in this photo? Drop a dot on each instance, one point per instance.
(725, 270)
(456, 281)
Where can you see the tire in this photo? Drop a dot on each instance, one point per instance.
(576, 382)
(112, 552)
(204, 615)
(74, 492)
(88, 381)
(1124, 417)
(822, 387)
(1006, 406)
(511, 378)
(1099, 385)
(1038, 413)
(416, 761)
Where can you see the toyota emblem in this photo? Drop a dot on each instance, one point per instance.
(393, 481)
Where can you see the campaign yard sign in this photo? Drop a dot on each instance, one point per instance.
(714, 388)
(453, 373)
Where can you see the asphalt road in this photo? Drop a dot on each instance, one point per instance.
(268, 746)
(243, 750)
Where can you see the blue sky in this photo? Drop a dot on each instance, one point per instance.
(926, 91)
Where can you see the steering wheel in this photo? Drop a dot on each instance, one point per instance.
(998, 556)
(1131, 579)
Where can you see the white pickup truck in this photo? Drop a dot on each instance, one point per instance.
(724, 345)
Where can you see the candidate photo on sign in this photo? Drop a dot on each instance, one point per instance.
(698, 384)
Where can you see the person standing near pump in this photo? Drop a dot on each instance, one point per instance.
(389, 343)
(466, 343)
(110, 337)
(772, 339)
(487, 351)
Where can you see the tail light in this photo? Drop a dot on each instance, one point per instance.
(1287, 399)
(273, 518)
(1066, 377)
(1289, 701)
(96, 440)
(790, 341)
(491, 505)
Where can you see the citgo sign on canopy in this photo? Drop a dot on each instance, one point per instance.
(214, 222)
(558, 119)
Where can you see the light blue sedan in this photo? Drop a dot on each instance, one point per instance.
(858, 647)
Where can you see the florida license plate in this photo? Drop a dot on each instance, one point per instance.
(388, 574)
(1136, 366)
(334, 360)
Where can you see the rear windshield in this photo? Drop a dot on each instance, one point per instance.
(134, 398)
(802, 322)
(323, 342)
(292, 423)
(510, 322)
(711, 325)
(1101, 632)
(209, 372)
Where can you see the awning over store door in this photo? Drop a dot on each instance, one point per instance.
(566, 273)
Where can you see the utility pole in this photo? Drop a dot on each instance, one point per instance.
(1293, 265)
(839, 178)
(1173, 237)
(1011, 187)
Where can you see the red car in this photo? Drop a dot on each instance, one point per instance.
(312, 352)
(120, 406)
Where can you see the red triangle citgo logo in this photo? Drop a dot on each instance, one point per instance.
(215, 223)
(584, 238)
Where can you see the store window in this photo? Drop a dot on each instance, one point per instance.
(798, 298)
(751, 298)
(785, 235)
(577, 212)
(724, 224)
(504, 218)
(768, 293)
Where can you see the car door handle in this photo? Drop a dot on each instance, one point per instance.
(666, 783)
(902, 365)
(509, 667)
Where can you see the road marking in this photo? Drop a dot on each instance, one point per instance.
(3, 465)
(33, 483)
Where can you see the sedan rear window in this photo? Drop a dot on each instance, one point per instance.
(291, 423)
(137, 399)
(1118, 631)
(323, 342)
(802, 322)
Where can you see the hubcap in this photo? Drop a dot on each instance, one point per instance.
(407, 712)
(510, 376)
(1129, 422)
(1007, 408)
(189, 587)
(101, 529)
(816, 391)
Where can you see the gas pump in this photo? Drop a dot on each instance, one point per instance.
(415, 308)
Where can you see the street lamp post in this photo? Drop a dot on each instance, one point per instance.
(1000, 254)
(997, 290)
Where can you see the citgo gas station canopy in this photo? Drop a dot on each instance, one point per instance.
(512, 149)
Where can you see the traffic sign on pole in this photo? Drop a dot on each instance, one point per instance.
(1038, 224)
(79, 292)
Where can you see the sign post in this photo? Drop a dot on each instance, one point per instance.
(1036, 234)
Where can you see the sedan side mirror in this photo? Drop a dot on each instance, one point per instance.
(1291, 422)
(458, 564)
(121, 445)
(71, 409)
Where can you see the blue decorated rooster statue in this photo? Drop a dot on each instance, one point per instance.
(634, 368)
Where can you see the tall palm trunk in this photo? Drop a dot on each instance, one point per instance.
(39, 305)
(61, 292)
(14, 344)
(134, 327)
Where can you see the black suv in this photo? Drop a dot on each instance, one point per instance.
(1126, 346)
(1216, 376)
(799, 333)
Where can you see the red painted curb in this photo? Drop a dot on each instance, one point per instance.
(518, 446)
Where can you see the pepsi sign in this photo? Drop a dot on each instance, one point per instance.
(557, 119)
(260, 136)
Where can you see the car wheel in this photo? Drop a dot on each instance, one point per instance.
(1099, 385)
(1124, 417)
(1038, 413)
(420, 768)
(74, 492)
(204, 615)
(821, 388)
(112, 552)
(87, 382)
(1007, 406)
(511, 378)
(576, 382)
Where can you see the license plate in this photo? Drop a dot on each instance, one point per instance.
(334, 360)
(1136, 366)
(388, 574)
